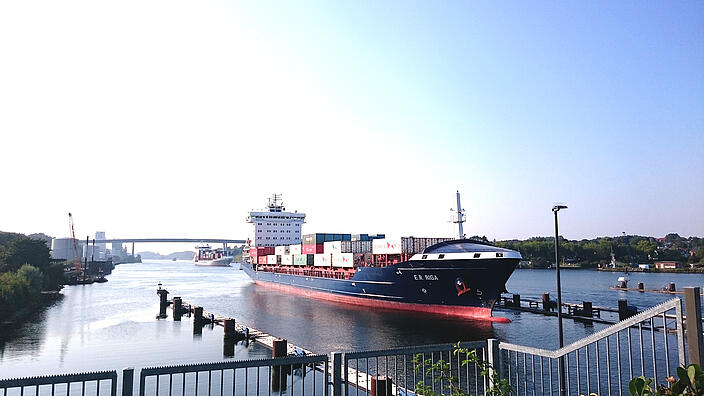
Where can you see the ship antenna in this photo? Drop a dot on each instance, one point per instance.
(460, 216)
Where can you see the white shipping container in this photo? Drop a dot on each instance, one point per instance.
(294, 249)
(343, 260)
(386, 246)
(287, 259)
(281, 250)
(332, 247)
(271, 259)
(322, 260)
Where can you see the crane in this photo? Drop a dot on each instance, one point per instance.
(74, 245)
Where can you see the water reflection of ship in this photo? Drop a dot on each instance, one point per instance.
(208, 257)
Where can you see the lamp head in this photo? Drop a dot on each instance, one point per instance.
(557, 207)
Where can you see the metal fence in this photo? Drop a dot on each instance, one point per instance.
(650, 343)
(294, 375)
(398, 371)
(605, 361)
(99, 383)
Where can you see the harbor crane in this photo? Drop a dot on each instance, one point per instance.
(74, 245)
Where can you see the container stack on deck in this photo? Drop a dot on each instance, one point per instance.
(343, 251)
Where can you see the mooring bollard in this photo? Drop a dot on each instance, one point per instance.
(587, 308)
(229, 328)
(624, 311)
(516, 300)
(163, 303)
(381, 386)
(177, 308)
(672, 286)
(546, 302)
(641, 287)
(197, 316)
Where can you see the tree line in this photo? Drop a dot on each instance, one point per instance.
(626, 249)
(26, 270)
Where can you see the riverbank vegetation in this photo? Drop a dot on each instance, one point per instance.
(26, 270)
(627, 249)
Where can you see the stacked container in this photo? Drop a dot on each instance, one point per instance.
(358, 246)
(303, 259)
(322, 260)
(343, 260)
(281, 250)
(294, 249)
(407, 245)
(287, 259)
(271, 259)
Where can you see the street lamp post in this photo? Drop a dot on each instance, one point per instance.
(561, 372)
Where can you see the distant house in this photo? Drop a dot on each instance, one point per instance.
(644, 266)
(666, 264)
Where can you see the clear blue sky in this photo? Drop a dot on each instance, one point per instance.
(518, 105)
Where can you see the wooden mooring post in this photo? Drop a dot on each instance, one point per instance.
(693, 312)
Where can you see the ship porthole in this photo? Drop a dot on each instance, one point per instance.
(423, 290)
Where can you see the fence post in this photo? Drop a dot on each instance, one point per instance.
(693, 312)
(493, 356)
(127, 381)
(337, 373)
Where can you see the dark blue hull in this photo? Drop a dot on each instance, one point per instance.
(467, 288)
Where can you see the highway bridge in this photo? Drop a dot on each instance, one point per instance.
(172, 240)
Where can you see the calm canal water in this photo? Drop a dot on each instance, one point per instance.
(113, 325)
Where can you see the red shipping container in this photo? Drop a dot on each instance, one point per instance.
(312, 249)
(261, 260)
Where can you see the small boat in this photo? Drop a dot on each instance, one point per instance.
(622, 282)
(207, 257)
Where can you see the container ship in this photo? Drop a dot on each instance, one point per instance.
(207, 257)
(453, 277)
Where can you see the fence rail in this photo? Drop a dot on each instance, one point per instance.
(90, 383)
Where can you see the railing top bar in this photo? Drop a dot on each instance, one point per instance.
(647, 314)
(234, 364)
(414, 350)
(57, 379)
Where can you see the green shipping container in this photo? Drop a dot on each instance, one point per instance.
(303, 259)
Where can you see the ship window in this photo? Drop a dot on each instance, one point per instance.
(476, 255)
(441, 256)
(425, 256)
(499, 254)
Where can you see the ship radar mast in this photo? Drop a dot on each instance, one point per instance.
(460, 216)
(275, 203)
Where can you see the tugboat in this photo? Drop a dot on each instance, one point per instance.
(207, 257)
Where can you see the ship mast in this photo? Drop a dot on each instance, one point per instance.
(460, 216)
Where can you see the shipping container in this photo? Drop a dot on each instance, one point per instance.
(281, 250)
(342, 260)
(322, 260)
(312, 249)
(356, 247)
(332, 247)
(271, 259)
(294, 249)
(261, 259)
(313, 239)
(303, 259)
(359, 237)
(362, 259)
(287, 259)
(386, 246)
(413, 245)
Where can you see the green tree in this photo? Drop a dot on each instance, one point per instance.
(25, 251)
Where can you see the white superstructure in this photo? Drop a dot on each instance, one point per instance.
(274, 226)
